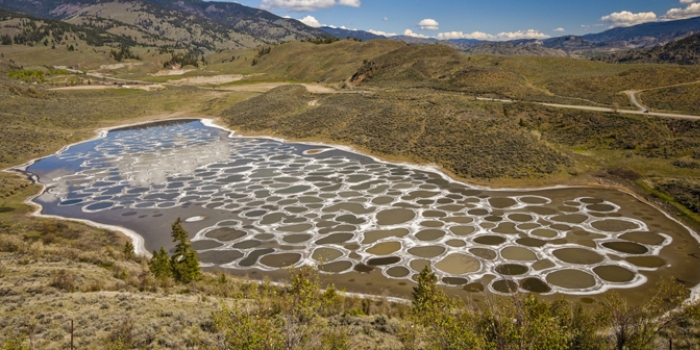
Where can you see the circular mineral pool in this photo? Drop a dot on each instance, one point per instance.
(615, 274)
(458, 264)
(511, 269)
(535, 285)
(578, 256)
(427, 252)
(571, 279)
(626, 247)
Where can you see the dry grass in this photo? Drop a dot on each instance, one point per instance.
(53, 271)
(391, 65)
(680, 98)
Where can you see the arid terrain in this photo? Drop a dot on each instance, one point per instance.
(495, 122)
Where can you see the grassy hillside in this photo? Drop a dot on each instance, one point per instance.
(321, 62)
(470, 139)
(524, 48)
(529, 78)
(380, 64)
(678, 98)
(420, 107)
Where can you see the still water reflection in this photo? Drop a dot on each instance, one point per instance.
(268, 205)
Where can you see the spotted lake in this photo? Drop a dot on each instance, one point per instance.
(256, 206)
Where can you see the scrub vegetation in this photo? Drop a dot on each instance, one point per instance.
(490, 143)
(397, 101)
(682, 98)
(470, 139)
(55, 272)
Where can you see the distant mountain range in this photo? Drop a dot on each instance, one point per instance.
(684, 51)
(347, 33)
(622, 38)
(648, 34)
(215, 25)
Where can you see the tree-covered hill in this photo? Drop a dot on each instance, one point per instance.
(193, 23)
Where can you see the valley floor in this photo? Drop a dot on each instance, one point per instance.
(52, 272)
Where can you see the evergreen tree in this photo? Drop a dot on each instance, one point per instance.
(6, 39)
(128, 250)
(184, 263)
(160, 264)
(426, 290)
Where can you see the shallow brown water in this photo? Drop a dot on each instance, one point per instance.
(267, 205)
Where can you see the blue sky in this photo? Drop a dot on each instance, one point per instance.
(493, 20)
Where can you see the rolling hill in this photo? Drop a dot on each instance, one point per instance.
(252, 21)
(522, 47)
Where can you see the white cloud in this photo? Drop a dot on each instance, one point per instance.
(626, 18)
(379, 32)
(429, 24)
(306, 5)
(527, 34)
(560, 30)
(351, 3)
(385, 19)
(463, 35)
(310, 21)
(692, 10)
(688, 1)
(410, 33)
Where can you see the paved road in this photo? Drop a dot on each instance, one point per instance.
(604, 109)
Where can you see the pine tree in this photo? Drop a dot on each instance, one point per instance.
(160, 264)
(426, 290)
(184, 263)
(128, 250)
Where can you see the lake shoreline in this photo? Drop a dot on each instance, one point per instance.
(101, 133)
